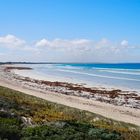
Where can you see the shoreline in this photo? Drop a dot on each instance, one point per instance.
(119, 113)
(69, 79)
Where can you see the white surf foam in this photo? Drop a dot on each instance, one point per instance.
(121, 72)
(101, 76)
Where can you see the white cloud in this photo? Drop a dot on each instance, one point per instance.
(11, 41)
(42, 43)
(76, 50)
(1, 54)
(61, 43)
(124, 43)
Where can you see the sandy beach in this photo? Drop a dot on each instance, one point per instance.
(49, 91)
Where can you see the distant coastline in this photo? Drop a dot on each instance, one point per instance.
(115, 63)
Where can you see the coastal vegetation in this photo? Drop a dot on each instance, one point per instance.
(26, 117)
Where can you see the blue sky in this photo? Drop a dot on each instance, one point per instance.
(53, 28)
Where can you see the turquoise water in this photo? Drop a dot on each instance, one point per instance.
(119, 75)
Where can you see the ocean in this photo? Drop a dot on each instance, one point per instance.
(126, 75)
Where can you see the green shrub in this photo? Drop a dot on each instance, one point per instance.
(9, 128)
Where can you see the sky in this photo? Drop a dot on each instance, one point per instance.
(70, 30)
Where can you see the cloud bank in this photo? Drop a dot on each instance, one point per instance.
(13, 48)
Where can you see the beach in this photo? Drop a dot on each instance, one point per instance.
(75, 95)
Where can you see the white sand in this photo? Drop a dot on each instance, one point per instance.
(119, 113)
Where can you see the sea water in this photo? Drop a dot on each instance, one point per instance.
(111, 75)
